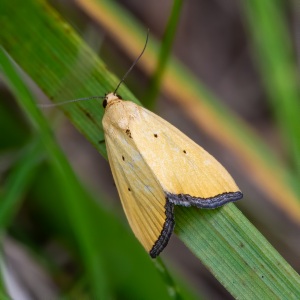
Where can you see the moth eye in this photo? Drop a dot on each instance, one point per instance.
(119, 96)
(104, 103)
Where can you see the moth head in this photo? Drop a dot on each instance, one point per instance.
(110, 98)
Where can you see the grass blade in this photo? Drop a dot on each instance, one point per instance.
(278, 66)
(237, 254)
(164, 54)
(18, 182)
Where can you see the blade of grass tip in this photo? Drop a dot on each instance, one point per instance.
(277, 62)
(173, 289)
(18, 181)
(74, 199)
(164, 54)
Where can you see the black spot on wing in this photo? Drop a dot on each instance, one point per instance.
(128, 132)
(212, 202)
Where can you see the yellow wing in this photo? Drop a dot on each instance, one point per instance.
(155, 166)
(148, 212)
(185, 171)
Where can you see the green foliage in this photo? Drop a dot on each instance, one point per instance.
(277, 62)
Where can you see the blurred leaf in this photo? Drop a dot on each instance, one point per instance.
(14, 127)
(277, 61)
(165, 51)
(18, 181)
(3, 296)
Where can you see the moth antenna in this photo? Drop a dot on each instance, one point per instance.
(134, 63)
(69, 101)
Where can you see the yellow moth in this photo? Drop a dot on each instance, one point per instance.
(155, 166)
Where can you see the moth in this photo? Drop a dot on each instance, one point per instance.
(155, 166)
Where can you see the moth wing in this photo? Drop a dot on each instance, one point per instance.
(187, 173)
(148, 212)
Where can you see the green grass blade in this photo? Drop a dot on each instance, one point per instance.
(3, 291)
(164, 54)
(173, 289)
(237, 254)
(18, 181)
(277, 61)
(3, 296)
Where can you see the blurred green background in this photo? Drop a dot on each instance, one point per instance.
(225, 73)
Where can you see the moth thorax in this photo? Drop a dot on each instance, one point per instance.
(111, 97)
